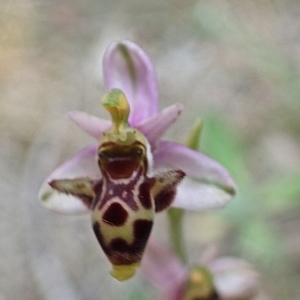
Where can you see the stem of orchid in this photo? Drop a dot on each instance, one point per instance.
(175, 215)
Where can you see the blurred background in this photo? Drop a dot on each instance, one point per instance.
(233, 63)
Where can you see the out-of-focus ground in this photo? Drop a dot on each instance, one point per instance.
(235, 64)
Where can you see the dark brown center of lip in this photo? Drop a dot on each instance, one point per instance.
(121, 161)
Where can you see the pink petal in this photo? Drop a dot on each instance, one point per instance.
(155, 127)
(90, 124)
(208, 185)
(127, 67)
(195, 195)
(234, 278)
(161, 266)
(83, 164)
(174, 293)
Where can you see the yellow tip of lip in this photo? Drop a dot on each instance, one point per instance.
(123, 272)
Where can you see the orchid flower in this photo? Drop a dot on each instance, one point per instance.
(224, 278)
(130, 173)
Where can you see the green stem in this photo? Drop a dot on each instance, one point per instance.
(175, 216)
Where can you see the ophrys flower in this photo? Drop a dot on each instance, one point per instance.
(212, 278)
(131, 173)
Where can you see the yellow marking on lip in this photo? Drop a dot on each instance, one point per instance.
(125, 231)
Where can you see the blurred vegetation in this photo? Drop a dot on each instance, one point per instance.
(235, 64)
(265, 205)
